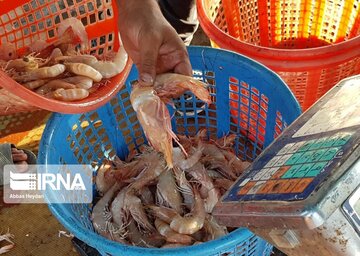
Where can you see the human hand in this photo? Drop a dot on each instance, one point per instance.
(151, 42)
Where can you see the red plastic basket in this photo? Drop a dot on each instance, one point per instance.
(23, 22)
(312, 45)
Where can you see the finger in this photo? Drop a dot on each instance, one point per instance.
(15, 150)
(184, 68)
(19, 157)
(148, 58)
(22, 166)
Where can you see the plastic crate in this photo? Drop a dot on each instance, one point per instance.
(24, 22)
(312, 45)
(114, 130)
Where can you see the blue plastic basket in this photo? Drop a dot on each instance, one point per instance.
(263, 98)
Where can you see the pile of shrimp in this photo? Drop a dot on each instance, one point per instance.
(145, 203)
(61, 70)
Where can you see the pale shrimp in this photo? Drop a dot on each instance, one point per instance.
(190, 224)
(54, 85)
(26, 63)
(226, 142)
(222, 183)
(133, 204)
(70, 94)
(82, 82)
(102, 180)
(85, 59)
(185, 142)
(8, 51)
(154, 118)
(146, 196)
(171, 85)
(184, 163)
(215, 159)
(101, 216)
(163, 213)
(167, 193)
(137, 238)
(32, 85)
(199, 173)
(41, 73)
(84, 70)
(154, 167)
(236, 163)
(184, 187)
(78, 28)
(8, 238)
(170, 235)
(213, 229)
(199, 235)
(109, 69)
(117, 208)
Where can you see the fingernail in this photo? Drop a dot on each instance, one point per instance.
(146, 79)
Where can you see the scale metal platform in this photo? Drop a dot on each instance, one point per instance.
(302, 194)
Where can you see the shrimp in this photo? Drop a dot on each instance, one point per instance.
(154, 117)
(34, 84)
(171, 85)
(190, 224)
(117, 208)
(162, 213)
(109, 69)
(7, 237)
(199, 173)
(85, 59)
(101, 216)
(224, 184)
(84, 70)
(71, 94)
(182, 162)
(154, 167)
(139, 239)
(102, 181)
(226, 142)
(213, 229)
(133, 204)
(41, 73)
(215, 159)
(184, 187)
(170, 235)
(146, 196)
(77, 27)
(54, 85)
(26, 63)
(82, 82)
(167, 193)
(8, 51)
(237, 164)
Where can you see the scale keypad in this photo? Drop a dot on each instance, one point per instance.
(294, 167)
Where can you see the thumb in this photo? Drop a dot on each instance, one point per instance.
(148, 60)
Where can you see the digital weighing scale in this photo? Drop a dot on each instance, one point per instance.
(302, 194)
